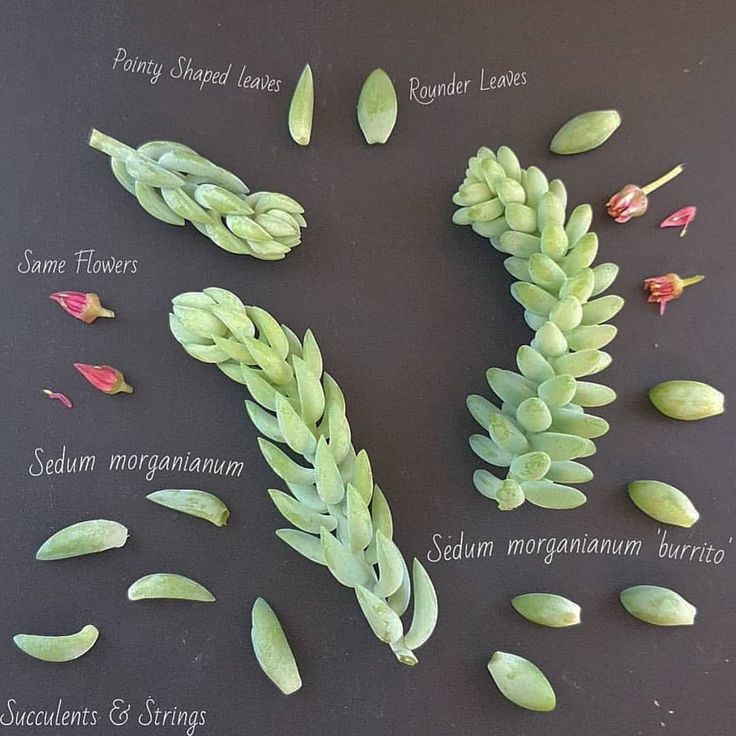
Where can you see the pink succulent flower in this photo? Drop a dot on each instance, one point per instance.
(104, 378)
(629, 202)
(633, 200)
(663, 289)
(85, 307)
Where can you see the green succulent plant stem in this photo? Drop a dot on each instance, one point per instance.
(541, 428)
(176, 185)
(339, 517)
(664, 179)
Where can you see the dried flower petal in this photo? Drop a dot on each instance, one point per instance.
(104, 378)
(682, 218)
(663, 289)
(85, 307)
(62, 398)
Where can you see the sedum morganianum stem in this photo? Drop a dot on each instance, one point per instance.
(174, 184)
(341, 518)
(541, 428)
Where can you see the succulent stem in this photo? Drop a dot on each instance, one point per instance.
(669, 176)
(174, 184)
(109, 145)
(539, 427)
(690, 280)
(404, 654)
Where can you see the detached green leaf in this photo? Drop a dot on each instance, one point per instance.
(301, 109)
(522, 682)
(272, 649)
(377, 107)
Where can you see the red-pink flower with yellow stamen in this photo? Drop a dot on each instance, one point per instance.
(105, 378)
(85, 307)
(633, 200)
(630, 202)
(663, 289)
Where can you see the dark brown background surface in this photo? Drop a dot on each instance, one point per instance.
(409, 311)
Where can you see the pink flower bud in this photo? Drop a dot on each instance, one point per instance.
(105, 378)
(85, 307)
(663, 289)
(630, 202)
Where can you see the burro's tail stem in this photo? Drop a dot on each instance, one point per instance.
(176, 185)
(539, 427)
(338, 515)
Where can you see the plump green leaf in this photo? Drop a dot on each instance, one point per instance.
(377, 107)
(522, 682)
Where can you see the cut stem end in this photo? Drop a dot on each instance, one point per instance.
(404, 654)
(108, 145)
